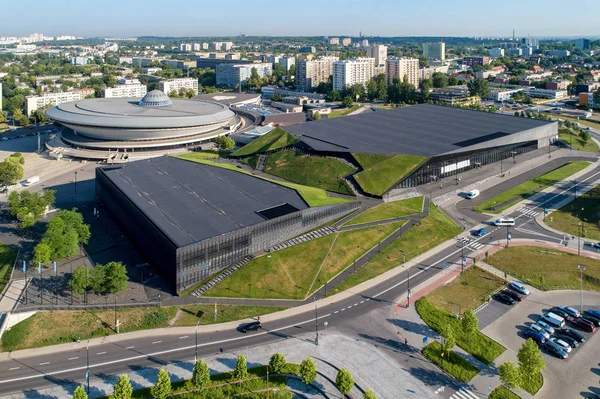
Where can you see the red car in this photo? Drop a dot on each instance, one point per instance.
(514, 295)
(584, 324)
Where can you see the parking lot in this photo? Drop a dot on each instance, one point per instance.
(575, 377)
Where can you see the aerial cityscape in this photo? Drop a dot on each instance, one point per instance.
(314, 200)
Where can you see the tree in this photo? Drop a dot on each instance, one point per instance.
(80, 280)
(277, 363)
(531, 362)
(115, 277)
(452, 81)
(97, 278)
(469, 323)
(276, 98)
(585, 135)
(369, 394)
(241, 368)
(74, 219)
(27, 206)
(344, 381)
(162, 388)
(596, 98)
(381, 86)
(79, 393)
(334, 95)
(17, 156)
(225, 143)
(282, 393)
(122, 389)
(347, 102)
(317, 116)
(42, 253)
(510, 375)
(516, 113)
(449, 339)
(439, 80)
(200, 374)
(479, 87)
(372, 90)
(11, 171)
(308, 371)
(425, 86)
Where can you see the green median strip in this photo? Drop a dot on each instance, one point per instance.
(573, 139)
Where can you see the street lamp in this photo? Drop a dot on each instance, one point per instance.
(196, 353)
(508, 237)
(581, 269)
(316, 322)
(87, 366)
(408, 295)
(75, 182)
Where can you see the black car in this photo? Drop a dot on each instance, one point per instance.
(556, 350)
(504, 299)
(514, 295)
(569, 340)
(571, 333)
(254, 326)
(559, 312)
(592, 317)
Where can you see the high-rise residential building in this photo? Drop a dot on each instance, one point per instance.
(33, 103)
(287, 62)
(310, 73)
(364, 42)
(508, 45)
(475, 60)
(349, 72)
(496, 52)
(196, 46)
(582, 43)
(527, 51)
(231, 75)
(435, 51)
(185, 47)
(222, 46)
(126, 88)
(379, 52)
(514, 52)
(531, 42)
(334, 40)
(205, 46)
(558, 53)
(346, 41)
(167, 86)
(400, 67)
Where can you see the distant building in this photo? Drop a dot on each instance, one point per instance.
(308, 49)
(167, 86)
(558, 53)
(80, 60)
(379, 53)
(349, 72)
(206, 62)
(435, 51)
(508, 45)
(309, 73)
(185, 47)
(400, 67)
(222, 46)
(131, 89)
(33, 103)
(196, 47)
(346, 41)
(526, 51)
(582, 43)
(475, 60)
(334, 41)
(534, 92)
(593, 76)
(231, 75)
(586, 98)
(558, 85)
(496, 52)
(500, 94)
(530, 42)
(287, 62)
(514, 52)
(490, 73)
(586, 87)
(364, 43)
(454, 95)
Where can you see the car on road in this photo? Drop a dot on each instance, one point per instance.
(538, 338)
(571, 341)
(561, 343)
(556, 350)
(254, 326)
(514, 295)
(505, 299)
(570, 311)
(559, 312)
(584, 324)
(539, 330)
(520, 288)
(572, 333)
(596, 245)
(505, 221)
(547, 327)
(480, 233)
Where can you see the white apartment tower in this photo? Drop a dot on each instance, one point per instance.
(167, 86)
(379, 52)
(400, 67)
(349, 72)
(310, 73)
(435, 51)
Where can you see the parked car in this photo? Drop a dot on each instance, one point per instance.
(595, 321)
(584, 324)
(538, 338)
(553, 319)
(480, 233)
(514, 295)
(539, 330)
(571, 341)
(254, 326)
(520, 288)
(556, 350)
(573, 334)
(504, 299)
(561, 343)
(559, 312)
(593, 312)
(549, 329)
(570, 311)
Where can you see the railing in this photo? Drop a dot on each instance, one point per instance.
(98, 306)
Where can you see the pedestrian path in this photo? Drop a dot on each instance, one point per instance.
(531, 212)
(325, 231)
(464, 393)
(470, 243)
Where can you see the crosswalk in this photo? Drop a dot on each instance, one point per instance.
(532, 212)
(470, 244)
(464, 393)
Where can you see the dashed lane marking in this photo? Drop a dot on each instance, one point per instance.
(185, 336)
(45, 363)
(74, 358)
(156, 342)
(101, 353)
(13, 368)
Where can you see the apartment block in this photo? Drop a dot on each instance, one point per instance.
(379, 53)
(128, 89)
(349, 72)
(435, 51)
(334, 40)
(496, 52)
(167, 86)
(400, 67)
(185, 47)
(33, 103)
(346, 41)
(474, 60)
(287, 62)
(310, 73)
(231, 75)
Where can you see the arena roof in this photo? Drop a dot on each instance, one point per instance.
(424, 129)
(190, 202)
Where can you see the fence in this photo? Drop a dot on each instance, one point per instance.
(105, 306)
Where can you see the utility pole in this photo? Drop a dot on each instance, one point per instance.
(507, 235)
(316, 322)
(87, 366)
(196, 353)
(408, 296)
(581, 269)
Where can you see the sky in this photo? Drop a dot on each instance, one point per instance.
(436, 18)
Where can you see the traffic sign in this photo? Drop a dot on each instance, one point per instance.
(445, 265)
(546, 211)
(509, 236)
(464, 261)
(425, 339)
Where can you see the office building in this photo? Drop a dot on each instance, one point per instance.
(435, 51)
(474, 60)
(346, 41)
(496, 52)
(401, 67)
(168, 86)
(349, 72)
(310, 73)
(582, 43)
(379, 53)
(334, 40)
(231, 75)
(33, 103)
(126, 88)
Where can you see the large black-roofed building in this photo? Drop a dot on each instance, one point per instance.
(452, 139)
(194, 220)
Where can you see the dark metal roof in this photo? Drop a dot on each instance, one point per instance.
(423, 129)
(190, 202)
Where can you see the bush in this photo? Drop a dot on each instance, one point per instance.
(344, 381)
(156, 319)
(241, 368)
(308, 371)
(452, 363)
(277, 363)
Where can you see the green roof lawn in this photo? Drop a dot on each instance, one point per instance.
(380, 176)
(273, 140)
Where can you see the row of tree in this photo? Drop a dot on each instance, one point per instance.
(110, 278)
(530, 366)
(63, 236)
(11, 169)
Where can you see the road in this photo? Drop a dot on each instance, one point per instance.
(38, 371)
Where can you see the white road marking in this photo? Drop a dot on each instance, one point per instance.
(156, 342)
(101, 353)
(45, 363)
(185, 336)
(362, 301)
(336, 312)
(13, 368)
(356, 304)
(74, 358)
(130, 347)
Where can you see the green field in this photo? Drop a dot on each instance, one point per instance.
(7, 261)
(468, 291)
(343, 112)
(325, 173)
(382, 175)
(312, 195)
(51, 328)
(452, 363)
(433, 230)
(273, 140)
(586, 207)
(572, 138)
(389, 210)
(525, 190)
(546, 268)
(296, 271)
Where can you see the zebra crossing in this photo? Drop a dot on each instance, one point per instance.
(464, 393)
(532, 212)
(470, 244)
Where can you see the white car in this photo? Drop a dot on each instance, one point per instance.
(571, 311)
(562, 344)
(549, 329)
(539, 330)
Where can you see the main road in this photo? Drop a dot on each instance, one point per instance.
(46, 368)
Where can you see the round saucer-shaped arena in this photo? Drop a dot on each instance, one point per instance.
(154, 117)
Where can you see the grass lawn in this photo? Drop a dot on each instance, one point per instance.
(296, 271)
(276, 138)
(7, 260)
(451, 363)
(50, 328)
(381, 176)
(568, 217)
(572, 138)
(312, 195)
(533, 385)
(250, 161)
(502, 393)
(545, 268)
(434, 229)
(192, 156)
(325, 173)
(530, 187)
(479, 345)
(344, 111)
(587, 122)
(468, 291)
(389, 210)
(368, 160)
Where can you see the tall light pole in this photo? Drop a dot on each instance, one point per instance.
(87, 366)
(581, 269)
(316, 322)
(408, 296)
(196, 353)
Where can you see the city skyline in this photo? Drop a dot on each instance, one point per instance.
(433, 18)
